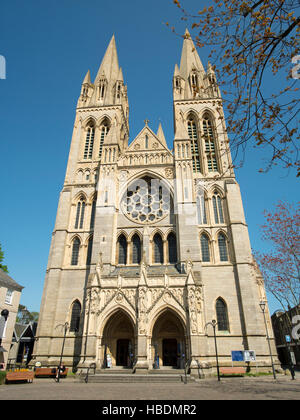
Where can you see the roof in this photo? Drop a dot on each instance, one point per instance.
(23, 331)
(160, 270)
(7, 281)
(20, 329)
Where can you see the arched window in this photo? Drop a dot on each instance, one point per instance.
(102, 86)
(201, 210)
(210, 144)
(75, 316)
(222, 315)
(104, 129)
(223, 247)
(158, 249)
(193, 134)
(80, 213)
(122, 250)
(205, 248)
(172, 248)
(194, 84)
(75, 251)
(194, 78)
(218, 209)
(89, 142)
(136, 249)
(93, 213)
(147, 201)
(89, 251)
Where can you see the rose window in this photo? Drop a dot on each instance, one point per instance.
(146, 201)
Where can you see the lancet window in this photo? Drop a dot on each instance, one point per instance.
(193, 135)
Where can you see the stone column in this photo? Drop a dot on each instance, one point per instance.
(142, 364)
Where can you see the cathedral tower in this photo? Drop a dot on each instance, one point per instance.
(150, 245)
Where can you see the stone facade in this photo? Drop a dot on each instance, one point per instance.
(150, 244)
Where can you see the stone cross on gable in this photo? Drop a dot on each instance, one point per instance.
(146, 122)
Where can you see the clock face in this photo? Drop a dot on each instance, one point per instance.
(146, 201)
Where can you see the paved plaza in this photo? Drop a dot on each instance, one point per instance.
(263, 388)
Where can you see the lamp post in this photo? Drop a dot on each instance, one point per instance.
(214, 323)
(287, 340)
(3, 319)
(65, 326)
(262, 305)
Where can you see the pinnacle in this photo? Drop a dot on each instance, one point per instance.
(160, 135)
(176, 71)
(187, 34)
(87, 79)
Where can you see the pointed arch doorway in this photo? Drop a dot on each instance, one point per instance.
(168, 341)
(118, 341)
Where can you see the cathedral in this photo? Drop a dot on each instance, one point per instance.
(150, 245)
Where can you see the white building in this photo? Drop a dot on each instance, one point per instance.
(10, 294)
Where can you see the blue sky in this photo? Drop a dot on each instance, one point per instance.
(48, 47)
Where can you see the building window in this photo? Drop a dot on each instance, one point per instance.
(205, 248)
(75, 252)
(222, 315)
(122, 250)
(172, 248)
(80, 213)
(223, 247)
(146, 201)
(103, 133)
(9, 296)
(89, 142)
(201, 210)
(75, 316)
(136, 250)
(194, 80)
(93, 214)
(102, 86)
(218, 209)
(210, 144)
(89, 251)
(193, 135)
(158, 249)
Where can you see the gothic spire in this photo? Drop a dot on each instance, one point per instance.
(110, 63)
(190, 59)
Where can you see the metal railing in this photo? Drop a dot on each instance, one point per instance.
(186, 368)
(92, 366)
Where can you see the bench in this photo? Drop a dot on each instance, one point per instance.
(49, 373)
(232, 370)
(19, 376)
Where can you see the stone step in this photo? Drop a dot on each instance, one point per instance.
(113, 371)
(127, 371)
(166, 371)
(135, 378)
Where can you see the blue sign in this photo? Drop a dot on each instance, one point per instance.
(237, 356)
(288, 338)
